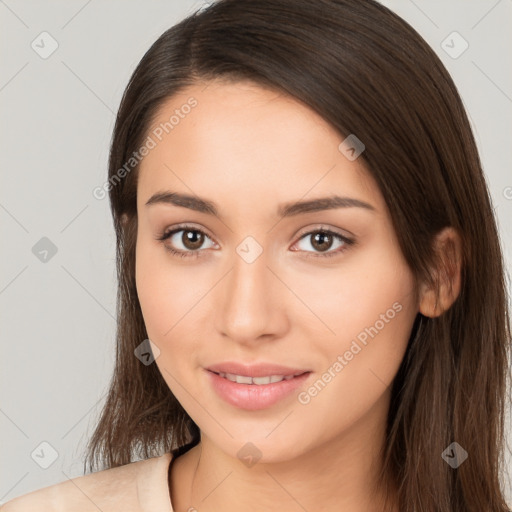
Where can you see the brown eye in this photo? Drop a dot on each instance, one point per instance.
(192, 239)
(322, 240)
(189, 244)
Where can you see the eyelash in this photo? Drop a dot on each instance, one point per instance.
(194, 254)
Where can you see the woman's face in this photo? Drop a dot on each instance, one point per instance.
(257, 281)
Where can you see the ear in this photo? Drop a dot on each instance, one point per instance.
(436, 299)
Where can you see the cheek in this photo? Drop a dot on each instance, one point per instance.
(353, 295)
(169, 298)
(149, 273)
(370, 307)
(164, 290)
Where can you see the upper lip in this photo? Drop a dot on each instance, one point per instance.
(254, 370)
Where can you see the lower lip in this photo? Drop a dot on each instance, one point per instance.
(253, 397)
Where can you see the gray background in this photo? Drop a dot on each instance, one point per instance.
(58, 315)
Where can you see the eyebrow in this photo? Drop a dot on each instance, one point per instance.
(284, 210)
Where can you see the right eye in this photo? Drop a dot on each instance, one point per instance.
(191, 241)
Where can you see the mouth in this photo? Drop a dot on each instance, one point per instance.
(255, 393)
(257, 381)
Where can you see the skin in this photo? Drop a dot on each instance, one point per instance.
(248, 150)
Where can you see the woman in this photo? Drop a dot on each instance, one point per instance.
(312, 308)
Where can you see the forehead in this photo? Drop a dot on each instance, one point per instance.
(240, 140)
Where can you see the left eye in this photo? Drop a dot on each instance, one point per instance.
(322, 238)
(192, 240)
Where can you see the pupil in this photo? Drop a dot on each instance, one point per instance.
(188, 239)
(320, 240)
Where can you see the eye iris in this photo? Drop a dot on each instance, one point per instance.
(192, 239)
(319, 241)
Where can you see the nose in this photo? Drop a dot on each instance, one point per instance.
(251, 302)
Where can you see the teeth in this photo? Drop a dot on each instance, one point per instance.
(242, 379)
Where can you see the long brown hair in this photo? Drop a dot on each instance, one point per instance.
(367, 72)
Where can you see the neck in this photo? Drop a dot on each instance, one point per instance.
(338, 474)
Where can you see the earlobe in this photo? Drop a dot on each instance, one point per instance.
(434, 300)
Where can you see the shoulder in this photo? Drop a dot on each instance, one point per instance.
(124, 488)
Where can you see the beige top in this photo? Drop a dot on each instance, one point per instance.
(141, 486)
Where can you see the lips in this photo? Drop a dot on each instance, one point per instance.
(255, 370)
(253, 397)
